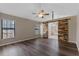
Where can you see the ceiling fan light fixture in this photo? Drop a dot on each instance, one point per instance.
(41, 13)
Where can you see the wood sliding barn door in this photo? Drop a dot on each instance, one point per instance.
(63, 30)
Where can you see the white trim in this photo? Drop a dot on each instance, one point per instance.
(78, 49)
(72, 42)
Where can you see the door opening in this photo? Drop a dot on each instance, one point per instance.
(53, 30)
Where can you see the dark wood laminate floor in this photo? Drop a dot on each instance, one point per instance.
(38, 47)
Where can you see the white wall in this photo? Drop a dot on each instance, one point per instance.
(41, 29)
(72, 29)
(24, 29)
(77, 32)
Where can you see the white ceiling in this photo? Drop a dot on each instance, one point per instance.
(25, 10)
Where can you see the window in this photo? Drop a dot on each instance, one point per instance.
(8, 29)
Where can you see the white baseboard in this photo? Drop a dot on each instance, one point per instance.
(72, 42)
(19, 41)
(78, 49)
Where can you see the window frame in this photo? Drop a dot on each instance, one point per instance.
(6, 29)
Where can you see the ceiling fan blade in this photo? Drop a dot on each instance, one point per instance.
(33, 13)
(46, 14)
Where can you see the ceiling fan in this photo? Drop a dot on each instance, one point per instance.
(41, 13)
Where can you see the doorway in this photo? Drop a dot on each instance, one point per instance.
(44, 30)
(53, 30)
